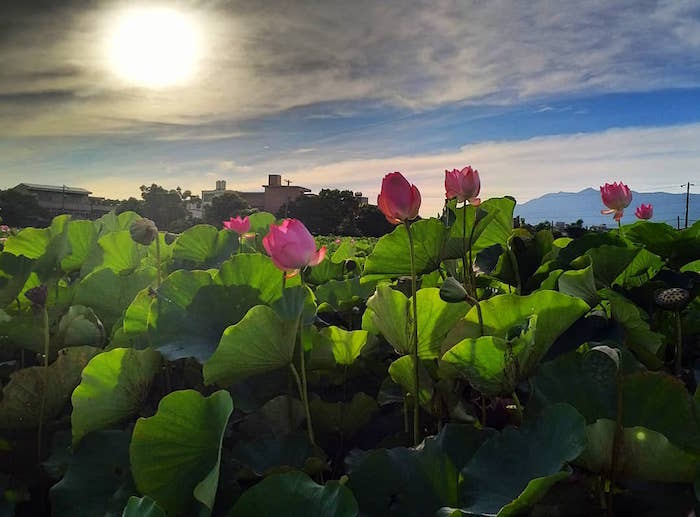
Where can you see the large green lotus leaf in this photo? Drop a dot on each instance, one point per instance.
(194, 307)
(692, 266)
(260, 222)
(98, 481)
(252, 270)
(565, 380)
(639, 337)
(136, 315)
(82, 239)
(261, 342)
(270, 454)
(414, 482)
(279, 416)
(205, 246)
(555, 312)
(389, 312)
(175, 454)
(109, 293)
(116, 251)
(656, 237)
(343, 417)
(515, 468)
(20, 406)
(644, 454)
(80, 326)
(345, 345)
(494, 223)
(324, 272)
(489, 363)
(142, 507)
(402, 373)
(653, 400)
(342, 295)
(579, 283)
(294, 494)
(29, 242)
(390, 256)
(643, 267)
(14, 272)
(578, 247)
(609, 261)
(114, 385)
(112, 222)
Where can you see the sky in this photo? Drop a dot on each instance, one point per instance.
(539, 96)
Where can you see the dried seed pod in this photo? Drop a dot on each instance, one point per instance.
(673, 299)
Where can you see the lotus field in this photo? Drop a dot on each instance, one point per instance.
(459, 367)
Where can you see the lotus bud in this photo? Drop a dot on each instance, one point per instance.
(143, 231)
(37, 295)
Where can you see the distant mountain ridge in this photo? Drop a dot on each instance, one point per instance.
(586, 204)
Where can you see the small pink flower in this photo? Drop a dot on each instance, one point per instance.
(337, 241)
(398, 200)
(238, 225)
(463, 185)
(291, 247)
(644, 211)
(617, 197)
(4, 228)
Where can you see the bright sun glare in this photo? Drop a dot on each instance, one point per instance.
(154, 47)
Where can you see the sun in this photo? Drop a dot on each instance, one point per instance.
(154, 47)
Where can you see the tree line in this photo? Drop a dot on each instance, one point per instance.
(332, 211)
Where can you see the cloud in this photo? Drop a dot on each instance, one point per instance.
(648, 159)
(265, 57)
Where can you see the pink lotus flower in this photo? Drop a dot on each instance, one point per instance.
(617, 197)
(644, 211)
(292, 247)
(399, 201)
(238, 225)
(463, 185)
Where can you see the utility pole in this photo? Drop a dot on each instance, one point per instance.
(687, 200)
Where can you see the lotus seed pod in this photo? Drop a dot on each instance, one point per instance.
(672, 299)
(143, 231)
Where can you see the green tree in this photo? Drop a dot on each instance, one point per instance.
(224, 207)
(164, 207)
(331, 211)
(20, 209)
(370, 222)
(132, 204)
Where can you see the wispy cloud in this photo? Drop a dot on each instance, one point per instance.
(267, 57)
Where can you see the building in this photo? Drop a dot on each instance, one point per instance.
(75, 201)
(270, 200)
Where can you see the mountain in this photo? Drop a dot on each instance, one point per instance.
(586, 205)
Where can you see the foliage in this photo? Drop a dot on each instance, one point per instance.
(224, 207)
(544, 367)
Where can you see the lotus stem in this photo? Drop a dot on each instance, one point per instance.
(617, 444)
(416, 405)
(159, 278)
(304, 389)
(516, 269)
(467, 250)
(619, 229)
(679, 344)
(45, 324)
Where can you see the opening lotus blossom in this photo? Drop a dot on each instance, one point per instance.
(644, 211)
(463, 184)
(617, 197)
(291, 247)
(238, 224)
(398, 200)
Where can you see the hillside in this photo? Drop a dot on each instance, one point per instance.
(586, 205)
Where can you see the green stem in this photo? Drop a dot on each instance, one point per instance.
(617, 444)
(302, 363)
(45, 324)
(516, 269)
(619, 228)
(159, 278)
(679, 344)
(406, 427)
(302, 395)
(472, 277)
(414, 280)
(518, 406)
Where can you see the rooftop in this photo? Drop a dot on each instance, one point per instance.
(54, 188)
